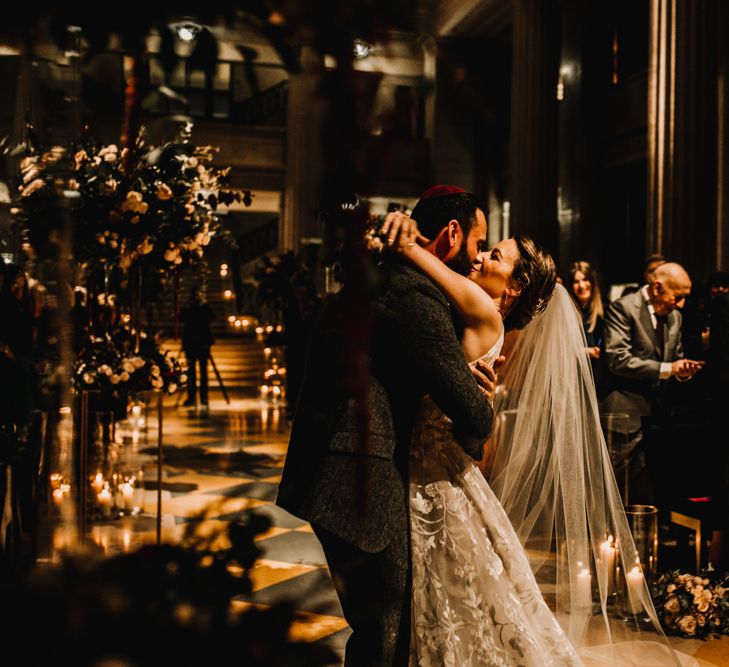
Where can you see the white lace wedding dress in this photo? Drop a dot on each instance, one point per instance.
(475, 599)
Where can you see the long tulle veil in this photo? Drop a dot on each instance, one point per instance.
(553, 475)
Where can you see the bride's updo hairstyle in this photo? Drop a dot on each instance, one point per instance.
(535, 276)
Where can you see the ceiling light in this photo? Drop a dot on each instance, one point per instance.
(187, 31)
(361, 49)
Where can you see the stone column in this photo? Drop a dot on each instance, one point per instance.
(722, 137)
(682, 136)
(304, 159)
(533, 132)
(572, 168)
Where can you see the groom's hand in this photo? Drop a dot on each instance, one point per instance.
(486, 376)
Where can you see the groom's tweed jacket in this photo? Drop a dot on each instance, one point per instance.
(414, 352)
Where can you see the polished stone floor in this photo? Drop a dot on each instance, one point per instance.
(226, 465)
(220, 468)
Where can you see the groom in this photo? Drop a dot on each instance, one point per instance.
(414, 351)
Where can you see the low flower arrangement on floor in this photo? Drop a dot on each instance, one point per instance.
(695, 606)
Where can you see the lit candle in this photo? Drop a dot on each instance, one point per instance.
(607, 562)
(584, 587)
(104, 499)
(58, 497)
(128, 495)
(98, 482)
(635, 588)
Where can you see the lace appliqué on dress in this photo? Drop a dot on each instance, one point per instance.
(475, 599)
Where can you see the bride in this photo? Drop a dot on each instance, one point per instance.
(549, 526)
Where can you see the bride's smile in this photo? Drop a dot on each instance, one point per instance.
(492, 269)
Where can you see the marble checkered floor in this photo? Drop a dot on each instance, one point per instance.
(227, 465)
(218, 469)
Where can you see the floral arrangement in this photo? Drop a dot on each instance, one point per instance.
(275, 277)
(692, 606)
(104, 364)
(153, 206)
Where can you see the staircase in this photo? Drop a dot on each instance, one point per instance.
(238, 354)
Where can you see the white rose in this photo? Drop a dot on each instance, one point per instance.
(670, 588)
(104, 369)
(687, 625)
(114, 379)
(164, 192)
(702, 605)
(124, 377)
(88, 378)
(129, 366)
(672, 606)
(155, 370)
(183, 378)
(172, 388)
(138, 362)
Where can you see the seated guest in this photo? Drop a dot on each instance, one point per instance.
(584, 287)
(643, 351)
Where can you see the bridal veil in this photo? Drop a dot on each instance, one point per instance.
(553, 475)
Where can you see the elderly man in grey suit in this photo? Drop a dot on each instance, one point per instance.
(643, 352)
(356, 497)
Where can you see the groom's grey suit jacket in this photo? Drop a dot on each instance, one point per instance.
(633, 356)
(414, 352)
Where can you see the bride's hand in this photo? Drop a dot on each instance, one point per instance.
(486, 376)
(401, 230)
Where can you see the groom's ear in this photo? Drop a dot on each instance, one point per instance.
(454, 232)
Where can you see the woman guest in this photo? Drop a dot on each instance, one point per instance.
(583, 285)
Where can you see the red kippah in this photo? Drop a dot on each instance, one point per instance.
(440, 191)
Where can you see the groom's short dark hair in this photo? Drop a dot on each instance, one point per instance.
(434, 213)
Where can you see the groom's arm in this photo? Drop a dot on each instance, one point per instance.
(433, 354)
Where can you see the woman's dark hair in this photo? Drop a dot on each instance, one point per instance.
(535, 276)
(595, 306)
(433, 214)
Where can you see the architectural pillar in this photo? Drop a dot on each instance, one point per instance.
(570, 195)
(304, 155)
(533, 131)
(722, 137)
(682, 134)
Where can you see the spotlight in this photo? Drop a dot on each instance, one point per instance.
(361, 49)
(187, 31)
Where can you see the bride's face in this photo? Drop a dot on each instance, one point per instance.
(492, 269)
